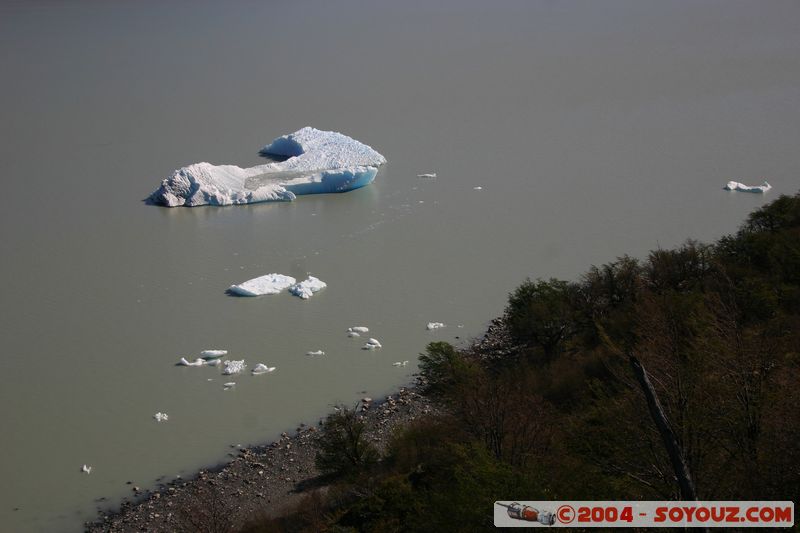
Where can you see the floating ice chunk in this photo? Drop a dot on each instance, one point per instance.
(353, 334)
(261, 368)
(319, 162)
(400, 363)
(269, 284)
(306, 288)
(479, 188)
(86, 469)
(431, 175)
(233, 367)
(741, 187)
(213, 354)
(229, 385)
(196, 362)
(315, 353)
(358, 329)
(435, 325)
(372, 344)
(214, 362)
(161, 417)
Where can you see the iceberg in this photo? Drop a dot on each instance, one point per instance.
(741, 187)
(161, 417)
(306, 288)
(196, 362)
(269, 284)
(315, 353)
(261, 368)
(213, 354)
(318, 162)
(434, 325)
(358, 329)
(372, 344)
(233, 367)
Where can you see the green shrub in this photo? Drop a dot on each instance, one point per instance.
(344, 450)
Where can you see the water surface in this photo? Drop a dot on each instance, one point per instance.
(594, 129)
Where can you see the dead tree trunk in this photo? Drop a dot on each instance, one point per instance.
(658, 415)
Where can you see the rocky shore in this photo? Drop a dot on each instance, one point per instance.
(267, 480)
(257, 481)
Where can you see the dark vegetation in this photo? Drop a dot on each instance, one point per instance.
(673, 377)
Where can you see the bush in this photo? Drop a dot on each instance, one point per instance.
(543, 314)
(442, 368)
(343, 447)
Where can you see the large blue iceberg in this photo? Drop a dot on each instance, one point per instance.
(318, 162)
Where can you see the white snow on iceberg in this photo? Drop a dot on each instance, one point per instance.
(306, 288)
(269, 284)
(741, 187)
(319, 162)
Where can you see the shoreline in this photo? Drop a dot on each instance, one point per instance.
(267, 480)
(257, 481)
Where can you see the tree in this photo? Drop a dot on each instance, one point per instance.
(344, 450)
(543, 313)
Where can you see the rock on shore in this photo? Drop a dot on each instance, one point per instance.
(257, 480)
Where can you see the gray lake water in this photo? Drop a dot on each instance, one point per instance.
(594, 129)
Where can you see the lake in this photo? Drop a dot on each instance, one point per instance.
(592, 129)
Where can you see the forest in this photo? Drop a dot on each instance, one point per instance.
(675, 376)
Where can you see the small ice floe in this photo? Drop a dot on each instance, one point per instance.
(353, 334)
(261, 368)
(213, 354)
(358, 329)
(400, 363)
(741, 187)
(315, 353)
(306, 288)
(269, 284)
(372, 344)
(431, 175)
(479, 188)
(233, 367)
(86, 469)
(214, 362)
(434, 325)
(229, 385)
(161, 417)
(196, 362)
